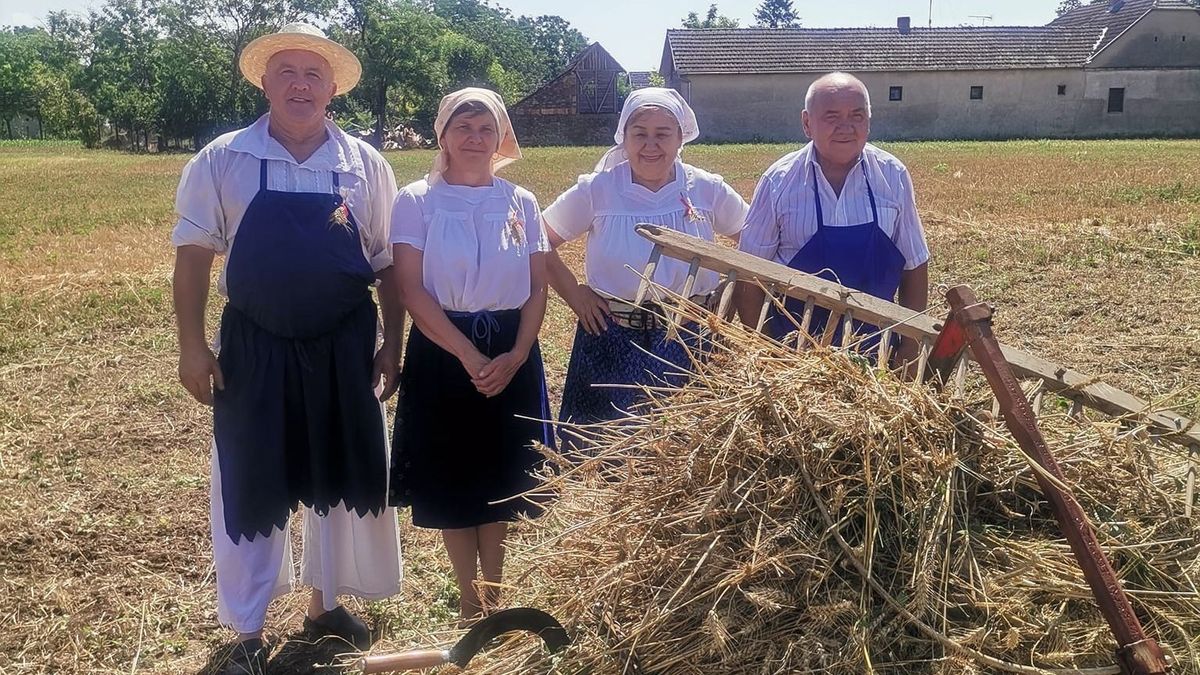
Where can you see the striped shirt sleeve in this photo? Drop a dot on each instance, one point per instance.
(910, 236)
(760, 237)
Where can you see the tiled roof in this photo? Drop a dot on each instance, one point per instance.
(1068, 41)
(1110, 18)
(639, 80)
(792, 50)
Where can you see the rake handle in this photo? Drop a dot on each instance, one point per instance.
(970, 325)
(413, 660)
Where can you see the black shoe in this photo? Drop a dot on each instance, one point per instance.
(248, 657)
(341, 624)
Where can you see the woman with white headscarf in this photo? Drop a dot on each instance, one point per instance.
(642, 179)
(469, 250)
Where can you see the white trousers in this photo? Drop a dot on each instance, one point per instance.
(343, 554)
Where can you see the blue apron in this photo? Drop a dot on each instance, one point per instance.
(861, 257)
(297, 421)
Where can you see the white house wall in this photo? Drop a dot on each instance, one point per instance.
(937, 105)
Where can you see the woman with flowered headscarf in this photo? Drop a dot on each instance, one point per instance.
(642, 179)
(470, 254)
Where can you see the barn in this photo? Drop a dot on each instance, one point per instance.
(1127, 68)
(579, 106)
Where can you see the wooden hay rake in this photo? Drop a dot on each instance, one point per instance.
(945, 350)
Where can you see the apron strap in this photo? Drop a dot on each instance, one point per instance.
(262, 174)
(870, 194)
(336, 182)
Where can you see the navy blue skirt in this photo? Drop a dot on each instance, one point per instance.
(621, 356)
(459, 457)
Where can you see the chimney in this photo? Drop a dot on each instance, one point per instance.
(903, 24)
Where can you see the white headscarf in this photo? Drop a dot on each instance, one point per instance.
(507, 152)
(668, 99)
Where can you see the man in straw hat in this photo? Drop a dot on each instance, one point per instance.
(842, 209)
(300, 211)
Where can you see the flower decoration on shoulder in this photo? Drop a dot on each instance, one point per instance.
(690, 212)
(516, 227)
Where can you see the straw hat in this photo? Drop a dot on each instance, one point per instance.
(346, 68)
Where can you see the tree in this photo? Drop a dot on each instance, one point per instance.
(195, 101)
(530, 49)
(16, 76)
(711, 20)
(122, 76)
(1065, 6)
(555, 42)
(776, 14)
(399, 45)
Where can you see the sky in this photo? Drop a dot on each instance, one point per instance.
(633, 30)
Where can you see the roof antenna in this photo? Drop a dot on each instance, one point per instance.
(983, 18)
(931, 13)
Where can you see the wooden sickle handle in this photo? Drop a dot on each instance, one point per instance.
(390, 663)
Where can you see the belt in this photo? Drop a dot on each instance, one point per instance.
(648, 315)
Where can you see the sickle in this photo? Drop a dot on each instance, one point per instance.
(505, 621)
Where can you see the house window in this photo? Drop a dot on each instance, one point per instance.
(976, 93)
(1062, 90)
(1116, 100)
(895, 93)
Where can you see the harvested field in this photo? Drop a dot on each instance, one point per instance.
(1090, 250)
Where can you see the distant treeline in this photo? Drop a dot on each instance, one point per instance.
(141, 73)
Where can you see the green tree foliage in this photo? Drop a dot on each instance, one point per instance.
(399, 45)
(17, 64)
(712, 19)
(141, 71)
(776, 14)
(554, 43)
(531, 50)
(122, 77)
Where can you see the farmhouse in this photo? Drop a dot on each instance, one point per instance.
(1125, 68)
(579, 106)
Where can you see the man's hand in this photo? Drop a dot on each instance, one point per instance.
(496, 375)
(592, 310)
(199, 373)
(386, 369)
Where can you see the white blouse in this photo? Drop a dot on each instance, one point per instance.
(607, 205)
(476, 241)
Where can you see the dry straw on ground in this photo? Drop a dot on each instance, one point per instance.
(792, 512)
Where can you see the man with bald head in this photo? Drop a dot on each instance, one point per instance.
(839, 208)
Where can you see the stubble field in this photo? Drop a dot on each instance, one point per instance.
(1090, 251)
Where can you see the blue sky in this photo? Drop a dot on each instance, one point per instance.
(633, 30)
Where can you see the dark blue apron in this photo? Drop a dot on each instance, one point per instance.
(861, 257)
(297, 421)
